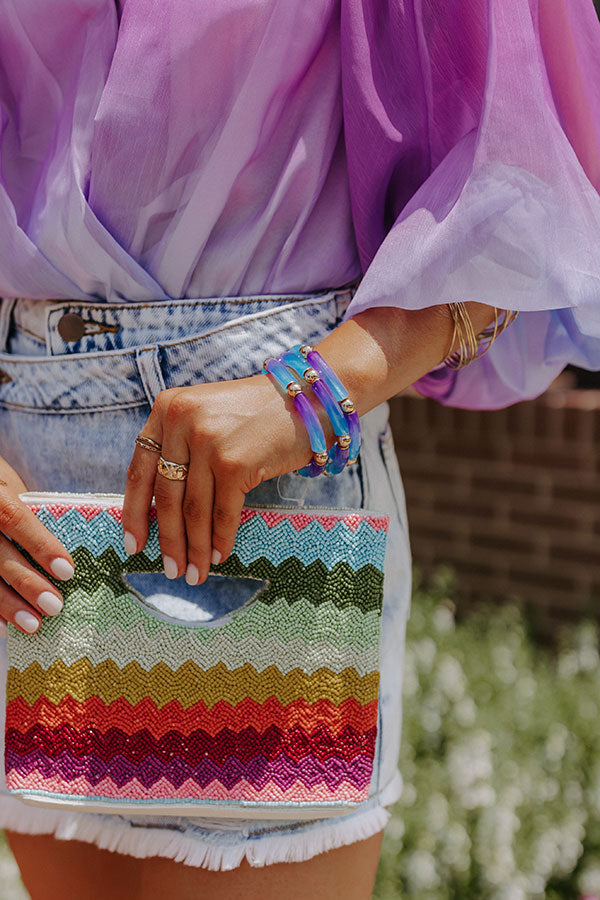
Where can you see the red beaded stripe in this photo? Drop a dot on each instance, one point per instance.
(271, 518)
(244, 745)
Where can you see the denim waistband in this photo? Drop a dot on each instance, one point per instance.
(63, 327)
(134, 350)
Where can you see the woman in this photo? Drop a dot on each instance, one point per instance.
(333, 172)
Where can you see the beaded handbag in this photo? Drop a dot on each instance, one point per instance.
(114, 706)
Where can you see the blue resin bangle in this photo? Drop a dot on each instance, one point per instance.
(316, 436)
(340, 452)
(328, 376)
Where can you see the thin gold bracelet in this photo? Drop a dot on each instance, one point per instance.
(472, 346)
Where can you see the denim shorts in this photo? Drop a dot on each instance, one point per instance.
(77, 382)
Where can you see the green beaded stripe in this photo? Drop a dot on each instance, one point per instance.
(101, 613)
(340, 585)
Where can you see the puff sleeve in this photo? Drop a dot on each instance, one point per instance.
(472, 130)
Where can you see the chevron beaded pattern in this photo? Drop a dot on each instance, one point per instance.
(274, 705)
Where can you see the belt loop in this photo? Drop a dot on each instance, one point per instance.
(150, 372)
(6, 308)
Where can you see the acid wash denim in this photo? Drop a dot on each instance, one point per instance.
(69, 413)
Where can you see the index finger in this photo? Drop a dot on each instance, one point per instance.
(20, 524)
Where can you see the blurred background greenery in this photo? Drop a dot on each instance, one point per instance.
(500, 757)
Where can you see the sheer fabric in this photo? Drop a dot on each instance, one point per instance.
(448, 151)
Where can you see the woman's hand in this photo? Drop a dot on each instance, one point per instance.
(24, 592)
(233, 435)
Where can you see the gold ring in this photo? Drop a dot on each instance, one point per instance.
(147, 443)
(172, 470)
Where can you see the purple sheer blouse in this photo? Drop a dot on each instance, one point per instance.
(447, 150)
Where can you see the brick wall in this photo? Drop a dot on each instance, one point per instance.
(510, 498)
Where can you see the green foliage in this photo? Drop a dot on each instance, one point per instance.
(501, 760)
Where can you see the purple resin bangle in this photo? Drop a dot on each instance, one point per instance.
(330, 379)
(316, 435)
(340, 452)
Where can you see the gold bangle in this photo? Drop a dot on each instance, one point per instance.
(472, 346)
(463, 333)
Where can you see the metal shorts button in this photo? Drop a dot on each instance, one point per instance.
(71, 327)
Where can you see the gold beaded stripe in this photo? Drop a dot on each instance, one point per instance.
(188, 684)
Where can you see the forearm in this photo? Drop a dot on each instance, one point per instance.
(382, 351)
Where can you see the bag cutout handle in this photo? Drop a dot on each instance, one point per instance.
(256, 587)
(290, 559)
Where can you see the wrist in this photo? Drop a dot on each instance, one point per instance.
(384, 350)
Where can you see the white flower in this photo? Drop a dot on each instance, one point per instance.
(437, 812)
(502, 657)
(571, 844)
(545, 852)
(394, 830)
(421, 872)
(443, 620)
(465, 712)
(425, 651)
(470, 761)
(455, 850)
(556, 742)
(587, 649)
(568, 664)
(495, 841)
(546, 790)
(512, 890)
(589, 879)
(430, 719)
(409, 795)
(450, 678)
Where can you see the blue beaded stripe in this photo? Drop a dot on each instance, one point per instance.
(362, 544)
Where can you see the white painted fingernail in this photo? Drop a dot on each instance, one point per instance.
(62, 568)
(215, 558)
(170, 567)
(49, 603)
(192, 575)
(3, 628)
(26, 621)
(130, 543)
